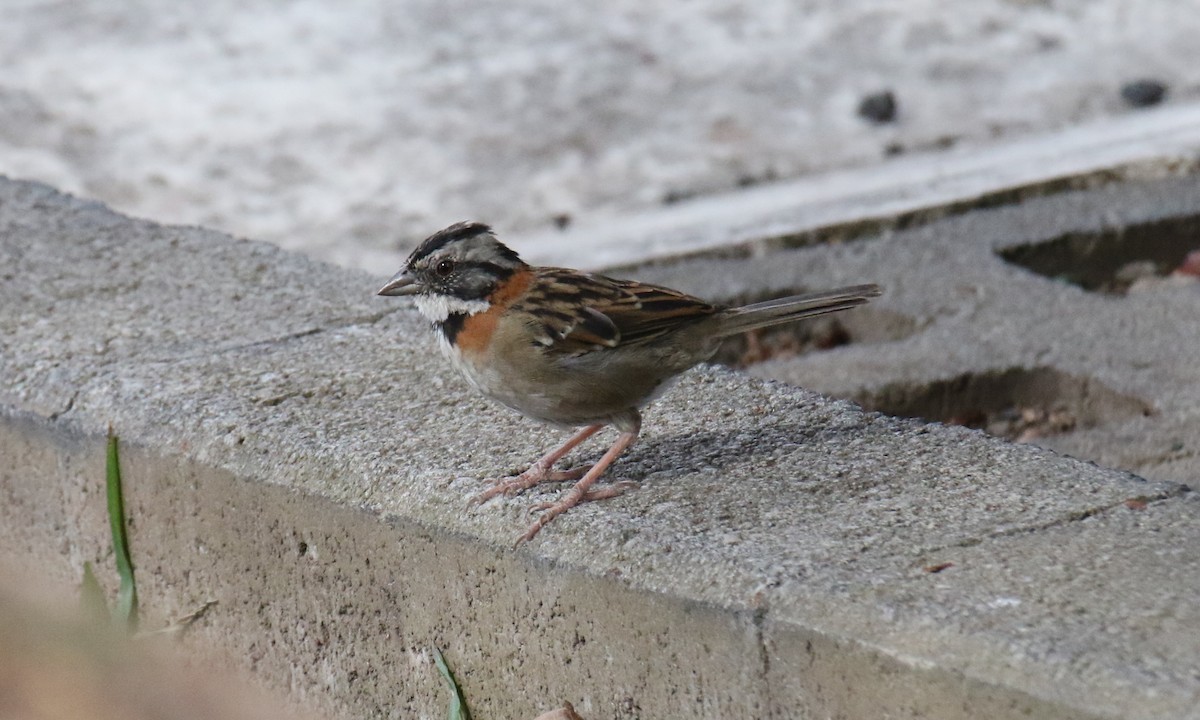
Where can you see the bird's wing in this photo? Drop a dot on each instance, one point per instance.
(582, 312)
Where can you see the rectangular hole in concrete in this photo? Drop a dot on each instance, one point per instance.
(1113, 260)
(1021, 404)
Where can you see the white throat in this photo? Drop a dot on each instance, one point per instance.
(436, 308)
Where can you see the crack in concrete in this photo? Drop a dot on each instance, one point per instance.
(274, 400)
(1177, 490)
(759, 620)
(102, 366)
(341, 324)
(70, 405)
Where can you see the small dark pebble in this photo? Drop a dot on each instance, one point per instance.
(945, 142)
(675, 196)
(1143, 93)
(750, 180)
(878, 107)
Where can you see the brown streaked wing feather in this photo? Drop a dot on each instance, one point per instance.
(581, 312)
(657, 311)
(561, 304)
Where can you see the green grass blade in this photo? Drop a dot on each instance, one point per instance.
(91, 596)
(458, 704)
(126, 612)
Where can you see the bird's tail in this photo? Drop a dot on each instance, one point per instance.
(796, 307)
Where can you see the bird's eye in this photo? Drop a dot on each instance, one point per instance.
(444, 268)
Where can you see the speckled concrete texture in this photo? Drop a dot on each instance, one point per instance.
(297, 451)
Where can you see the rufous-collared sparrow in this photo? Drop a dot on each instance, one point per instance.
(572, 348)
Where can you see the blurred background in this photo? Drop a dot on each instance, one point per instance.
(349, 131)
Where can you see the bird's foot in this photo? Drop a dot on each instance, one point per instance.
(582, 491)
(513, 484)
(569, 499)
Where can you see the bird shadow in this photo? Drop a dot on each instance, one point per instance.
(708, 450)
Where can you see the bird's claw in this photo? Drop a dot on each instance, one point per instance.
(515, 484)
(551, 510)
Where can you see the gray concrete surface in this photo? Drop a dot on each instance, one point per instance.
(296, 450)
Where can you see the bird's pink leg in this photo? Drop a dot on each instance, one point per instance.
(540, 471)
(581, 492)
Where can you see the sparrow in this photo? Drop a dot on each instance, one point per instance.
(570, 348)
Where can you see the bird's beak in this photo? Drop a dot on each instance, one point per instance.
(401, 284)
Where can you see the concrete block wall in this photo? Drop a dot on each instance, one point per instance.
(296, 450)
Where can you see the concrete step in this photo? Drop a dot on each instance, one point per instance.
(297, 451)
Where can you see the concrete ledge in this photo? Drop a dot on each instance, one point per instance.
(297, 451)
